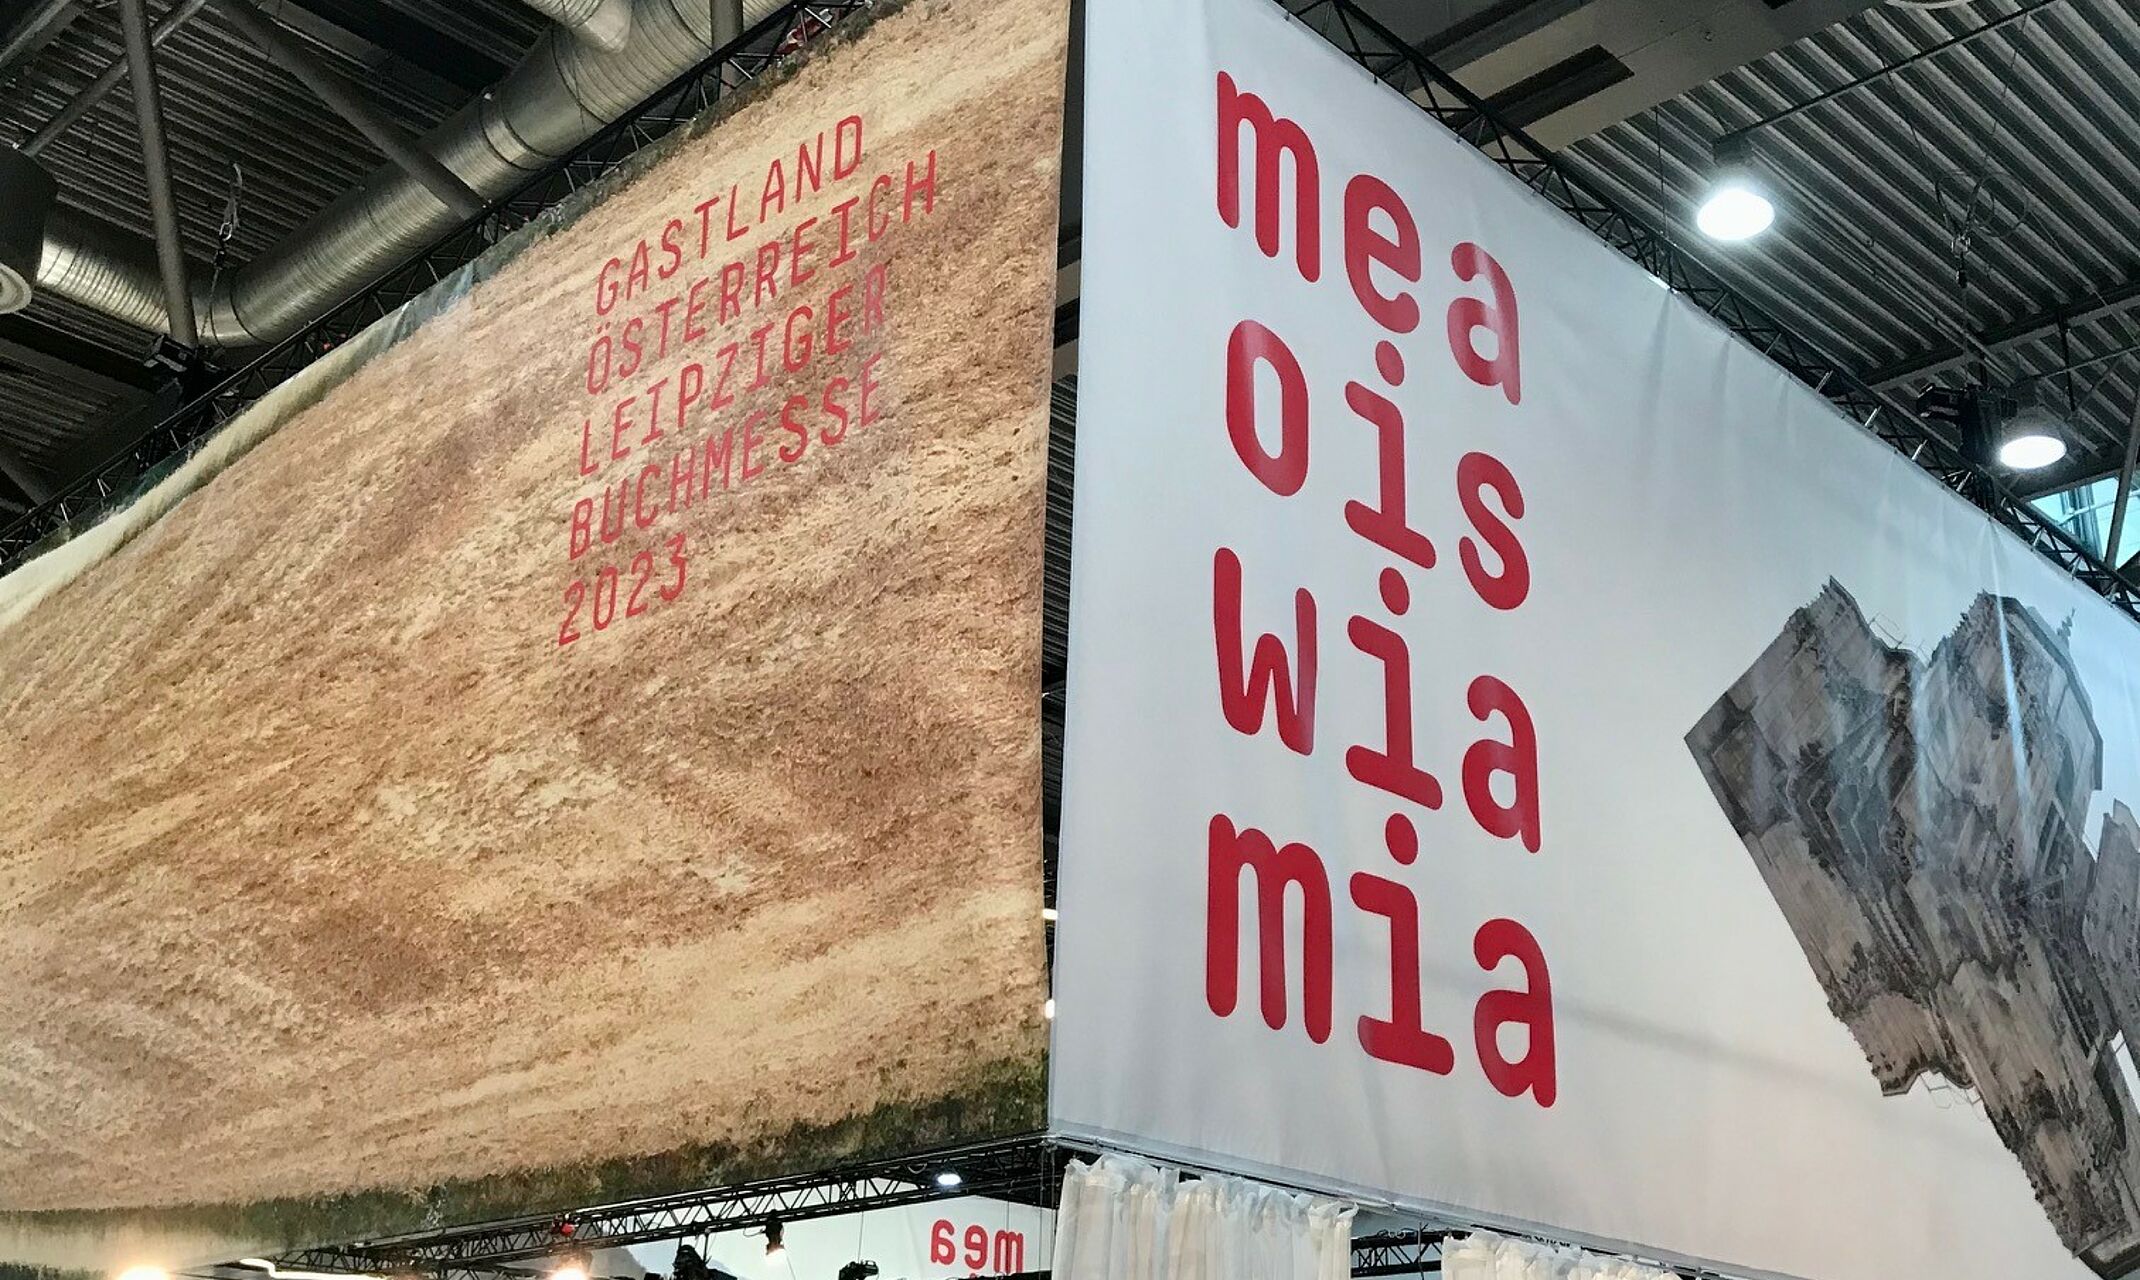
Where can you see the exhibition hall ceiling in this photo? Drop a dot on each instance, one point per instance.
(1971, 200)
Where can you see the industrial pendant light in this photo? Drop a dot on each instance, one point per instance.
(1737, 206)
(2031, 438)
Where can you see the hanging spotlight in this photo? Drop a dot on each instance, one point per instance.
(144, 1273)
(949, 1178)
(1736, 208)
(776, 1249)
(2031, 439)
(570, 1271)
(690, 1264)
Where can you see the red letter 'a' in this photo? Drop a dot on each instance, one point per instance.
(1271, 137)
(1274, 870)
(1518, 758)
(1242, 693)
(1285, 471)
(1496, 941)
(1468, 315)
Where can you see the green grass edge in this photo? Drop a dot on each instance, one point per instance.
(1007, 1098)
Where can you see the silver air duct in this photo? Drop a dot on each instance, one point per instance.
(26, 196)
(560, 95)
(606, 24)
(103, 268)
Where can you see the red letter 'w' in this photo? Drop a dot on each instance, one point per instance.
(1242, 694)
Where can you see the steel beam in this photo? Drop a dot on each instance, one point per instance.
(351, 104)
(392, 32)
(2043, 324)
(156, 162)
(107, 80)
(24, 476)
(38, 28)
(1398, 1253)
(727, 29)
(1882, 73)
(34, 346)
(2125, 486)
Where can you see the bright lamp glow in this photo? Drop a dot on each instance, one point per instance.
(1734, 211)
(569, 1272)
(2031, 450)
(948, 1178)
(144, 1273)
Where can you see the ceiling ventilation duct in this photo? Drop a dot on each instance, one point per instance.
(26, 196)
(605, 24)
(565, 91)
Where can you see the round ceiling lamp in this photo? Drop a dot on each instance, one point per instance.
(1737, 206)
(2032, 439)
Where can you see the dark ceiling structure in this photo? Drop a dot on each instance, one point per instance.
(1958, 202)
(253, 154)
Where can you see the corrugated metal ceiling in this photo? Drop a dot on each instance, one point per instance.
(228, 110)
(1992, 182)
(1984, 185)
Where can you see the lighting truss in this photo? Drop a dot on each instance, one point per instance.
(1026, 1169)
(1359, 36)
(1023, 1169)
(1398, 1253)
(768, 44)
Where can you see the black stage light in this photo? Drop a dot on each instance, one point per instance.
(690, 1265)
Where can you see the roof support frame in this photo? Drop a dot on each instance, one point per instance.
(96, 90)
(349, 102)
(2043, 324)
(41, 25)
(25, 342)
(436, 54)
(763, 46)
(2125, 486)
(156, 161)
(1364, 39)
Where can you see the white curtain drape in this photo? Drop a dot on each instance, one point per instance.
(1485, 1256)
(1124, 1219)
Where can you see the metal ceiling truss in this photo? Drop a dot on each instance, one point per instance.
(1025, 1169)
(1359, 36)
(1399, 1253)
(767, 43)
(1353, 31)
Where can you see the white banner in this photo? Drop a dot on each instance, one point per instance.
(968, 1236)
(1529, 757)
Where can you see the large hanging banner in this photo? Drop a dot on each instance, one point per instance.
(1531, 759)
(594, 749)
